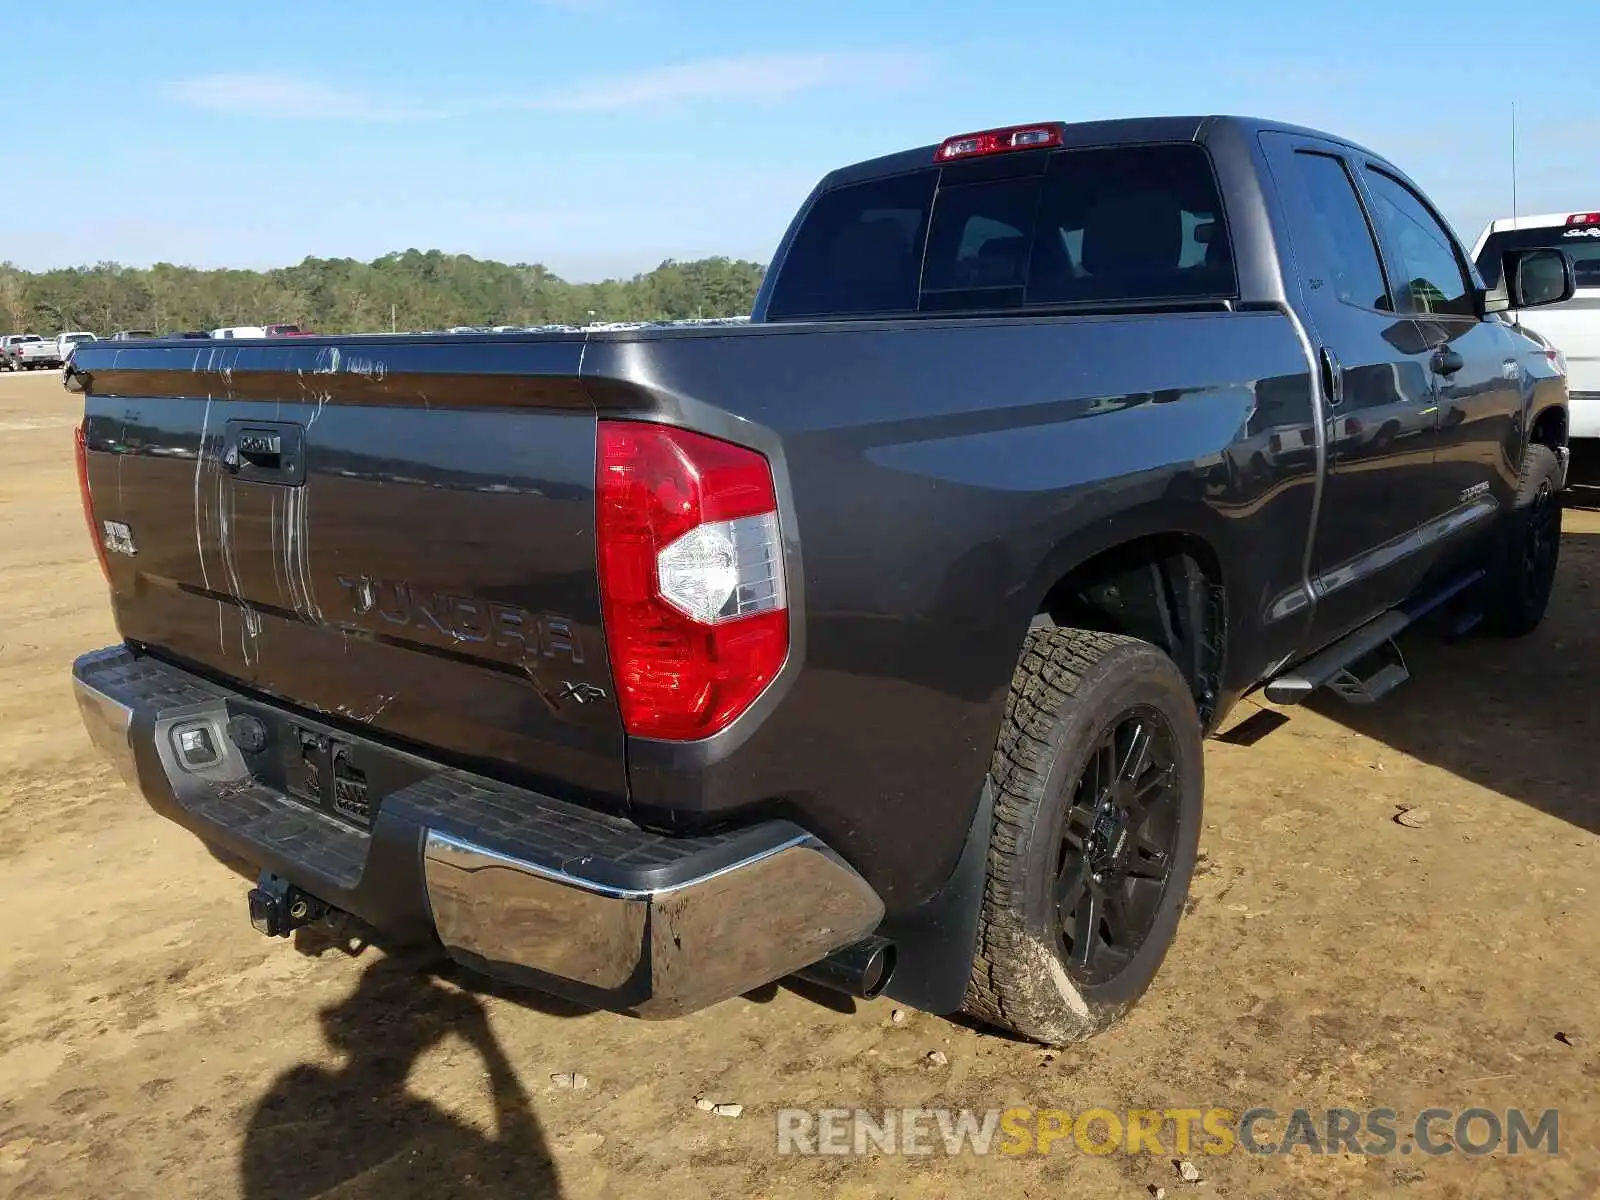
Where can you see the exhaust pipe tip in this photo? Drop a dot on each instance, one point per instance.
(861, 969)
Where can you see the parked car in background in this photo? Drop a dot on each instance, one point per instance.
(240, 331)
(283, 331)
(1572, 327)
(9, 340)
(66, 341)
(187, 334)
(875, 639)
(29, 352)
(132, 335)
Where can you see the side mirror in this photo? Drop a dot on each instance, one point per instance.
(1535, 278)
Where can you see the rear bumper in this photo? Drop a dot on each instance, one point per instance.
(512, 883)
(1583, 415)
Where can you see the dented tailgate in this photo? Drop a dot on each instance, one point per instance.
(395, 536)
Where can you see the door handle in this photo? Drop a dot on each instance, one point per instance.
(1446, 362)
(1332, 378)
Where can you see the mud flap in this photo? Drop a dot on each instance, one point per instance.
(935, 941)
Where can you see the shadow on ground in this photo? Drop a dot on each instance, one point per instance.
(356, 1132)
(1517, 716)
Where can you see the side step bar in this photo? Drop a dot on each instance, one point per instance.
(1364, 665)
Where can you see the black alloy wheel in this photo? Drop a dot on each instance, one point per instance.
(1118, 844)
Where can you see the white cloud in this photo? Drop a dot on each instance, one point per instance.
(748, 77)
(278, 96)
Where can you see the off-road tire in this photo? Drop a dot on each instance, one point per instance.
(1522, 576)
(1070, 687)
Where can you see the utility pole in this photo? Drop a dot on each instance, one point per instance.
(391, 318)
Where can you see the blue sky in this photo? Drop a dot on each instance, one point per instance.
(601, 136)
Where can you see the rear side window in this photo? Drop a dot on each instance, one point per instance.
(1133, 223)
(1343, 244)
(1095, 226)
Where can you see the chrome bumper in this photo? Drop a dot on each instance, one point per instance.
(682, 946)
(109, 724)
(512, 883)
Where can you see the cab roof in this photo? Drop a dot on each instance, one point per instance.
(1083, 134)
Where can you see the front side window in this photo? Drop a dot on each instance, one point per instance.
(1432, 279)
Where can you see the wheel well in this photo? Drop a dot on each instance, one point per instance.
(1165, 589)
(1550, 428)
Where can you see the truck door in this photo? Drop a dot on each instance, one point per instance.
(1379, 423)
(1473, 361)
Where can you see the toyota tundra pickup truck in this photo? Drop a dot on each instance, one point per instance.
(874, 641)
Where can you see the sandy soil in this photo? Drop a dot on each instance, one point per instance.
(152, 1045)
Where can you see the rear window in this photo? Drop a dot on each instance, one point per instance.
(1581, 242)
(1128, 223)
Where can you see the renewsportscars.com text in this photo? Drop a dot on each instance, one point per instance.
(1181, 1131)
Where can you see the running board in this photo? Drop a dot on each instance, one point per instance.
(1365, 665)
(1372, 676)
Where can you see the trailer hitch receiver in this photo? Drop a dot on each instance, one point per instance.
(278, 908)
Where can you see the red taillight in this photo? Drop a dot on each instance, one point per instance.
(692, 586)
(81, 454)
(998, 141)
(1584, 219)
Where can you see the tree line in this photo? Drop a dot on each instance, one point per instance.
(421, 289)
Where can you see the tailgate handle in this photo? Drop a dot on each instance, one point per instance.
(265, 451)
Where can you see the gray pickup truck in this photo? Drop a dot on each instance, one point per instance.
(28, 352)
(874, 641)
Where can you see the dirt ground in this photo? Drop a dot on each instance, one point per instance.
(152, 1045)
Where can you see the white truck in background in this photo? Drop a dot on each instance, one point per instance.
(65, 342)
(1572, 327)
(28, 352)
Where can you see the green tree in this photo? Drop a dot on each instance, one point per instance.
(425, 289)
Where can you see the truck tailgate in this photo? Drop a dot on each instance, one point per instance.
(366, 533)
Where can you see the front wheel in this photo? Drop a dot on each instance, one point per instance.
(1522, 578)
(1099, 778)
